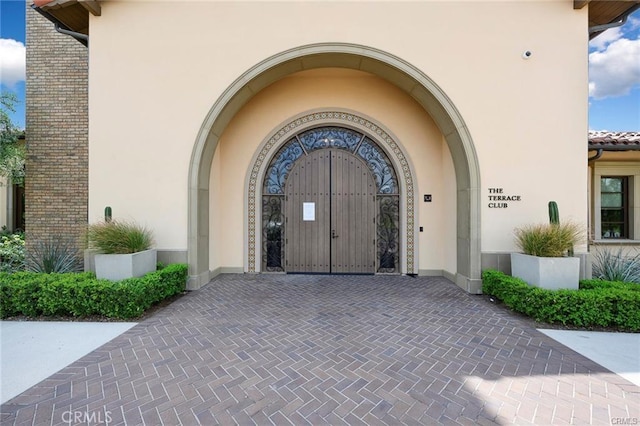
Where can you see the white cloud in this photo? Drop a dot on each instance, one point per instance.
(604, 39)
(12, 62)
(633, 23)
(615, 70)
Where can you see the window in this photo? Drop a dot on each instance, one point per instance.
(614, 207)
(614, 214)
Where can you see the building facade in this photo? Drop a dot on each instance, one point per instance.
(614, 190)
(331, 137)
(11, 207)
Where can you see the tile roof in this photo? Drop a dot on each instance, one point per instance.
(614, 140)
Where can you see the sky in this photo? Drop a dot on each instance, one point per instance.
(12, 53)
(614, 70)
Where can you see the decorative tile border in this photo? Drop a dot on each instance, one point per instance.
(304, 122)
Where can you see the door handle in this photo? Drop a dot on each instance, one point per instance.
(333, 234)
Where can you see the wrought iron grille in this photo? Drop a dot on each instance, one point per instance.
(388, 233)
(330, 137)
(380, 166)
(273, 233)
(280, 167)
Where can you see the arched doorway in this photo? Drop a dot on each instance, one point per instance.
(341, 55)
(330, 203)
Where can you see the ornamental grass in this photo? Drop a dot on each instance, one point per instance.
(119, 237)
(548, 240)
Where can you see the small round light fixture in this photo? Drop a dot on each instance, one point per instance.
(526, 54)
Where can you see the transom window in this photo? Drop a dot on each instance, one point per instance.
(614, 207)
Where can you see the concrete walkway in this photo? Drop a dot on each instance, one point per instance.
(284, 349)
(31, 351)
(619, 352)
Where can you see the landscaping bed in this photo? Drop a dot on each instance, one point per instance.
(614, 306)
(79, 295)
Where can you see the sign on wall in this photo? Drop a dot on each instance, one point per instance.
(498, 199)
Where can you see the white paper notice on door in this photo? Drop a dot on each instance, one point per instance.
(308, 212)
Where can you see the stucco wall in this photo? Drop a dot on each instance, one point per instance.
(619, 156)
(158, 67)
(4, 205)
(347, 89)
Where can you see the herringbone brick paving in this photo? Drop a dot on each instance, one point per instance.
(294, 349)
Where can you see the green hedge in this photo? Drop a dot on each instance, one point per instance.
(81, 295)
(596, 304)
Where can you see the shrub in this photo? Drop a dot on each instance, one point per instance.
(547, 239)
(596, 304)
(12, 252)
(81, 294)
(19, 293)
(56, 253)
(611, 266)
(600, 284)
(119, 237)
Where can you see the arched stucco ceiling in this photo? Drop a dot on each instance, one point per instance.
(338, 55)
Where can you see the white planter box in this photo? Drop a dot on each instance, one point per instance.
(117, 267)
(552, 273)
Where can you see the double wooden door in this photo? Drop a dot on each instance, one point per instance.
(330, 214)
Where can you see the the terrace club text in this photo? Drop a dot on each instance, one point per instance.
(499, 200)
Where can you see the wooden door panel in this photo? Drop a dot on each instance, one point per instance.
(352, 215)
(341, 238)
(307, 245)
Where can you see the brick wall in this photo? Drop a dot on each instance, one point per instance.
(57, 132)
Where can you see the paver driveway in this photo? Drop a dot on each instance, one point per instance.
(293, 349)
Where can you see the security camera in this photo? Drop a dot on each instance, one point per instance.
(526, 54)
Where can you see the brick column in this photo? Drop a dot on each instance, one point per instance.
(56, 184)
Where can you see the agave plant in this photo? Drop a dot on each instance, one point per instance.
(616, 266)
(54, 254)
